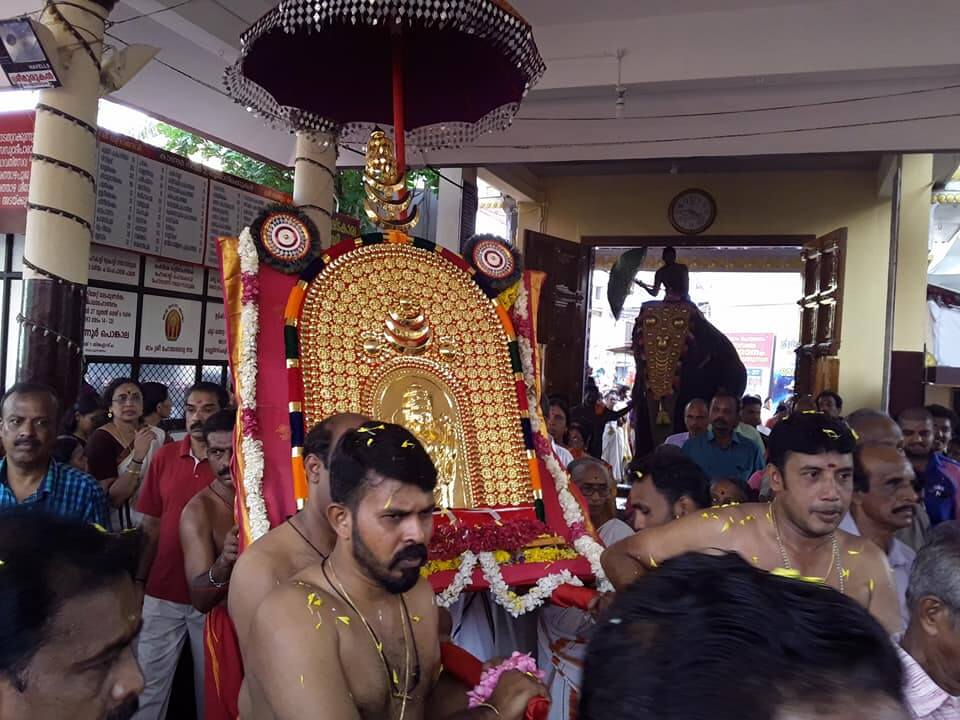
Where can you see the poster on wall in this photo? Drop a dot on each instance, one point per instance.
(170, 328)
(214, 284)
(112, 265)
(174, 276)
(16, 145)
(215, 334)
(756, 353)
(111, 322)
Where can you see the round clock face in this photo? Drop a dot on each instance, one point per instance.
(692, 211)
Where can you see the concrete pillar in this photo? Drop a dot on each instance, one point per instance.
(910, 303)
(313, 181)
(62, 202)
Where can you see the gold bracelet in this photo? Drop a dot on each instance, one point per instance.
(489, 707)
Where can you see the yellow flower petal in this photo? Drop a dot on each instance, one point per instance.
(345, 619)
(317, 626)
(301, 680)
(853, 552)
(99, 527)
(415, 618)
(653, 563)
(726, 526)
(705, 516)
(756, 560)
(871, 584)
(845, 573)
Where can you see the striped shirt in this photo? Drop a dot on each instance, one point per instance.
(65, 491)
(926, 699)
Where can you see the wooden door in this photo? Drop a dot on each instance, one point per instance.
(562, 320)
(821, 312)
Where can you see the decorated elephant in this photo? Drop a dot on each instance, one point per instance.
(679, 355)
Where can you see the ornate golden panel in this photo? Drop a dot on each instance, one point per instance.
(403, 335)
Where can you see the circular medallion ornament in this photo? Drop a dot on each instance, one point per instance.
(494, 260)
(286, 239)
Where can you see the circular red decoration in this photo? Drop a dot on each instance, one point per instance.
(285, 238)
(493, 259)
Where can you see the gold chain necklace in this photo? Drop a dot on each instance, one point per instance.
(834, 560)
(393, 682)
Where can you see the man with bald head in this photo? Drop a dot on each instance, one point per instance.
(937, 475)
(884, 502)
(301, 541)
(696, 418)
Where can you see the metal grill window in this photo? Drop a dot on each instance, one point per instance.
(99, 375)
(177, 378)
(214, 373)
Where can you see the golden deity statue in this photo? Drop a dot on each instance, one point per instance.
(437, 432)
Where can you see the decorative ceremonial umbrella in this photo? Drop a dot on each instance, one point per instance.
(441, 72)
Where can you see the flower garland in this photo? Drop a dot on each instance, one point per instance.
(491, 676)
(544, 555)
(450, 541)
(572, 511)
(468, 561)
(518, 605)
(251, 448)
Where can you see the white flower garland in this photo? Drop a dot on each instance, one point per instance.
(573, 514)
(468, 561)
(518, 605)
(250, 447)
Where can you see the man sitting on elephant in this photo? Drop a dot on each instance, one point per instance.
(673, 276)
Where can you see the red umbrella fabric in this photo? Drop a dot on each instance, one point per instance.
(326, 66)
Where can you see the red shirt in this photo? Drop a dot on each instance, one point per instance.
(173, 478)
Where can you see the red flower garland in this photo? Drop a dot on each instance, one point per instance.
(450, 541)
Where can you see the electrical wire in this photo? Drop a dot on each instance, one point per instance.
(742, 111)
(150, 14)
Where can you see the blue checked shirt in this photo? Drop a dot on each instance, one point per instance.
(65, 491)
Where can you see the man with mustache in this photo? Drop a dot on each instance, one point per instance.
(208, 534)
(177, 472)
(722, 451)
(937, 475)
(29, 476)
(356, 634)
(70, 613)
(301, 541)
(811, 471)
(884, 502)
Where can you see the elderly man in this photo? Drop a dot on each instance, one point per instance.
(592, 477)
(696, 418)
(884, 502)
(930, 648)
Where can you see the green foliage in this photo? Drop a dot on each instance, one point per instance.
(236, 163)
(349, 182)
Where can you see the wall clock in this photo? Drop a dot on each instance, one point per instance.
(692, 211)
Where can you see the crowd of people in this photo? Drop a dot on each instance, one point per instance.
(808, 568)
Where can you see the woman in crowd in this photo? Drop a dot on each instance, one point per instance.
(68, 450)
(86, 415)
(119, 453)
(578, 439)
(157, 407)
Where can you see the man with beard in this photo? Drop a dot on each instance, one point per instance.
(884, 502)
(721, 451)
(208, 534)
(69, 613)
(811, 472)
(356, 635)
(29, 476)
(665, 486)
(177, 472)
(294, 545)
(937, 475)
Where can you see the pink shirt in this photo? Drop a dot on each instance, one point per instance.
(926, 699)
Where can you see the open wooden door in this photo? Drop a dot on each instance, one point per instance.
(821, 312)
(562, 322)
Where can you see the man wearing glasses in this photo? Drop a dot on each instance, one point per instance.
(595, 482)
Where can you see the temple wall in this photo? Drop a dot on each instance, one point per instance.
(809, 203)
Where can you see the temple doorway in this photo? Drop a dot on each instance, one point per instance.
(749, 293)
